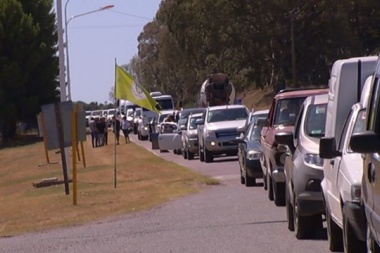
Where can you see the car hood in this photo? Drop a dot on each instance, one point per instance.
(254, 145)
(226, 124)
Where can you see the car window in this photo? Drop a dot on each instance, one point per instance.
(254, 133)
(316, 120)
(287, 110)
(360, 125)
(227, 115)
(192, 123)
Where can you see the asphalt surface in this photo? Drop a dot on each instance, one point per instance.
(223, 218)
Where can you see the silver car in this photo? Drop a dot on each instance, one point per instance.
(304, 168)
(190, 137)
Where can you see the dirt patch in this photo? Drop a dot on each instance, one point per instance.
(258, 99)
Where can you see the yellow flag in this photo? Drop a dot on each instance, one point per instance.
(128, 89)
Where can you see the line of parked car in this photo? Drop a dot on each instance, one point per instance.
(317, 150)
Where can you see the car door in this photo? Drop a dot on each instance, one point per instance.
(371, 172)
(170, 141)
(334, 193)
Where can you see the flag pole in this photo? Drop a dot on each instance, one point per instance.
(114, 129)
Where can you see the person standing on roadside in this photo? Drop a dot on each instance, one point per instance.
(93, 131)
(116, 127)
(125, 126)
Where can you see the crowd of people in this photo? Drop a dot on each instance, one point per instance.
(99, 130)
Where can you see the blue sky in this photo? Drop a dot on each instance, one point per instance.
(97, 39)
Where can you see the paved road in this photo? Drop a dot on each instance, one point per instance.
(223, 218)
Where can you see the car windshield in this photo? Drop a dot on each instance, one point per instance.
(165, 104)
(162, 117)
(315, 120)
(138, 113)
(193, 122)
(182, 122)
(112, 112)
(186, 112)
(227, 114)
(287, 111)
(254, 133)
(88, 113)
(130, 113)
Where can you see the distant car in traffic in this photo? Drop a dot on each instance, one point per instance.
(249, 153)
(190, 137)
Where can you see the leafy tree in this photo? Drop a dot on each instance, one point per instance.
(28, 65)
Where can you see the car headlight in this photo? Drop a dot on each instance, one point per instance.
(145, 128)
(313, 159)
(253, 155)
(356, 193)
(210, 133)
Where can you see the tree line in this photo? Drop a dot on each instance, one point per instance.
(258, 43)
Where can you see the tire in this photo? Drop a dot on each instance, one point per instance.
(372, 245)
(269, 186)
(190, 155)
(208, 157)
(139, 136)
(351, 243)
(289, 211)
(265, 181)
(334, 234)
(201, 157)
(249, 181)
(279, 193)
(305, 227)
(185, 154)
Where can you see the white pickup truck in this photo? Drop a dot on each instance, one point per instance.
(220, 127)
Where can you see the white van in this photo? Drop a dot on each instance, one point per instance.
(349, 84)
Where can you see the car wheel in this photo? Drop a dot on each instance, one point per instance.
(305, 226)
(269, 186)
(265, 181)
(351, 242)
(334, 234)
(249, 181)
(190, 155)
(208, 156)
(372, 245)
(279, 193)
(289, 211)
(138, 135)
(201, 157)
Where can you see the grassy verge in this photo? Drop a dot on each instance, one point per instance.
(143, 180)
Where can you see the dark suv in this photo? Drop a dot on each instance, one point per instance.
(281, 118)
(368, 143)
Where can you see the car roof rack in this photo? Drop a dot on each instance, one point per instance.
(299, 89)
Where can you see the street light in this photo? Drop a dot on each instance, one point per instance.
(67, 42)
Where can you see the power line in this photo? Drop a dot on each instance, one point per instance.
(131, 15)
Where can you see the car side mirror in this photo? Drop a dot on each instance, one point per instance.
(285, 138)
(327, 148)
(261, 122)
(366, 142)
(199, 122)
(183, 127)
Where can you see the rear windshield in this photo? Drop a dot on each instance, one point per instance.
(227, 115)
(316, 120)
(287, 111)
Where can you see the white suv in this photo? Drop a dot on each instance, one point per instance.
(304, 168)
(342, 185)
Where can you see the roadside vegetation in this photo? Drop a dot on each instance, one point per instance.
(144, 180)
